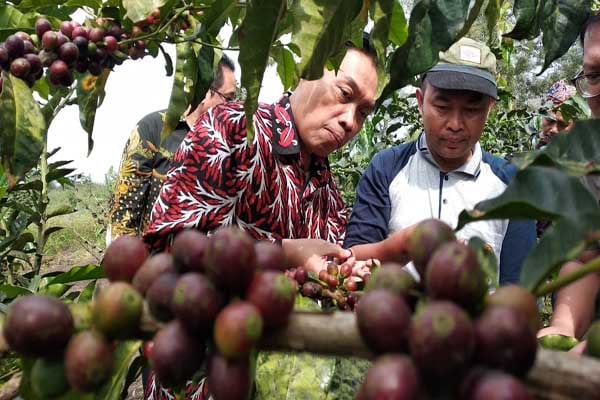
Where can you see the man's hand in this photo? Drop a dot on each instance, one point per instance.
(311, 253)
(393, 248)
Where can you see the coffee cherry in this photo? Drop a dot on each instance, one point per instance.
(20, 67)
(68, 52)
(42, 26)
(34, 62)
(14, 46)
(50, 40)
(66, 28)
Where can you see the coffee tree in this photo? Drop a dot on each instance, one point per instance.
(49, 61)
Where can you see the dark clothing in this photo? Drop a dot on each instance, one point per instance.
(143, 168)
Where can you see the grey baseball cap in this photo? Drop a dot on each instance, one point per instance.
(466, 65)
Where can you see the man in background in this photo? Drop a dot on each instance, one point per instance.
(576, 303)
(145, 161)
(553, 121)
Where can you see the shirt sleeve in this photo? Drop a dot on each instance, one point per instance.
(371, 211)
(201, 189)
(130, 195)
(519, 240)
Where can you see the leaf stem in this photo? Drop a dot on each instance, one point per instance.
(562, 281)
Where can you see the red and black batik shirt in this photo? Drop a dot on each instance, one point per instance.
(219, 178)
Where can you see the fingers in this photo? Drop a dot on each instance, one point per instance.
(579, 349)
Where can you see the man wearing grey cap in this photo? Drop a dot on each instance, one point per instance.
(445, 170)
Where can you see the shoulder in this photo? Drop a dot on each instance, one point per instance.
(394, 158)
(150, 126)
(502, 168)
(153, 119)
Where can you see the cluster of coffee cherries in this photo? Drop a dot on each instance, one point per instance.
(207, 302)
(339, 285)
(445, 335)
(72, 47)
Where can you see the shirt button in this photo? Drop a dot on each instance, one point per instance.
(445, 201)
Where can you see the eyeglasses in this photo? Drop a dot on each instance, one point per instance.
(588, 85)
(225, 98)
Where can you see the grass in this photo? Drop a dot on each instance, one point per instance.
(83, 233)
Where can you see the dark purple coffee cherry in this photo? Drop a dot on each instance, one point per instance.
(42, 25)
(34, 62)
(14, 46)
(50, 40)
(68, 52)
(20, 67)
(4, 59)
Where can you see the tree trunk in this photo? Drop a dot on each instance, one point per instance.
(555, 375)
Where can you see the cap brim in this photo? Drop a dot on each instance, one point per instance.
(453, 80)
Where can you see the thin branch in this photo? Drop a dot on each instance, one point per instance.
(562, 281)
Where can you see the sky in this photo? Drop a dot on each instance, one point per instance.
(133, 90)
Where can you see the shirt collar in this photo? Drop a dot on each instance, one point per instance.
(470, 168)
(285, 138)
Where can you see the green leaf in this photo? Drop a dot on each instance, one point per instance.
(9, 292)
(320, 31)
(525, 12)
(186, 71)
(77, 274)
(206, 67)
(22, 241)
(257, 34)
(93, 4)
(23, 128)
(56, 290)
(124, 354)
(138, 10)
(168, 61)
(433, 27)
(61, 209)
(3, 183)
(90, 94)
(577, 153)
(492, 13)
(12, 20)
(536, 192)
(389, 25)
(58, 173)
(87, 292)
(562, 27)
(42, 88)
(563, 241)
(286, 67)
(215, 17)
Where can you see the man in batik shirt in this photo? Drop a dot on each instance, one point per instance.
(278, 186)
(145, 161)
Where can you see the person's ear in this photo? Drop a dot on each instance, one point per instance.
(420, 96)
(491, 105)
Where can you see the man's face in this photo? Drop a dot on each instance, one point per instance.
(330, 111)
(591, 63)
(453, 122)
(554, 124)
(226, 92)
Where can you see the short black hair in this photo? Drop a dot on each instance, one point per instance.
(592, 20)
(224, 62)
(367, 47)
